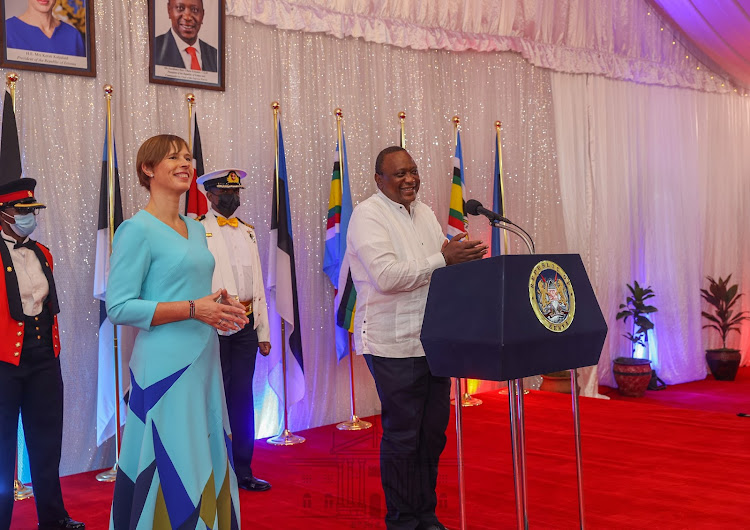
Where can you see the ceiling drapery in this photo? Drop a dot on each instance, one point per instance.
(719, 29)
(620, 39)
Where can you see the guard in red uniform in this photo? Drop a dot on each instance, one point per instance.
(30, 378)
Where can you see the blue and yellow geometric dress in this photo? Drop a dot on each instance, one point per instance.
(175, 468)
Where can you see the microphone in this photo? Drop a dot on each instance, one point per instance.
(474, 207)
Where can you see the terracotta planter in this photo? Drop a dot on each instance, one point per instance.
(632, 376)
(556, 382)
(723, 363)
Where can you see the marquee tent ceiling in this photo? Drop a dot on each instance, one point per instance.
(720, 29)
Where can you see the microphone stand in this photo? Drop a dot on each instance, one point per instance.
(515, 397)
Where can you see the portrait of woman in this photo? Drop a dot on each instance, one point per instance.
(38, 29)
(174, 462)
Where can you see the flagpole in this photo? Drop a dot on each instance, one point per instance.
(498, 127)
(402, 119)
(467, 400)
(287, 437)
(354, 424)
(20, 491)
(111, 474)
(190, 98)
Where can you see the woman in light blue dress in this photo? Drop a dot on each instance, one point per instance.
(174, 469)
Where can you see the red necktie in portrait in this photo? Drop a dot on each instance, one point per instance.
(193, 58)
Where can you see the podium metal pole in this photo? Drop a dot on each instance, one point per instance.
(579, 458)
(460, 451)
(519, 452)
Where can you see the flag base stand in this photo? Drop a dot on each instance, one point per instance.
(467, 400)
(504, 391)
(21, 491)
(355, 424)
(108, 476)
(286, 438)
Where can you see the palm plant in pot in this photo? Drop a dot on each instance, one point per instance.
(723, 298)
(632, 375)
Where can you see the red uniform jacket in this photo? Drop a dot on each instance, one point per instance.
(11, 312)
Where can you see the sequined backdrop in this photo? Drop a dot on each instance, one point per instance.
(61, 127)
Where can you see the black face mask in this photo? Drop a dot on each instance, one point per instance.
(228, 204)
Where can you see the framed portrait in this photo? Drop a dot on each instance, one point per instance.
(48, 36)
(186, 43)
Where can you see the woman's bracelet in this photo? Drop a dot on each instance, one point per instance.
(192, 308)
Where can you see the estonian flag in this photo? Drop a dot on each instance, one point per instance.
(282, 285)
(105, 400)
(195, 202)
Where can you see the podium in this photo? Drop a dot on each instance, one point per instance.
(519, 316)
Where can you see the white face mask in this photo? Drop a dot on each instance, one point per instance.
(24, 225)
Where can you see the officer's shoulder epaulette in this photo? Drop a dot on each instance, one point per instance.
(201, 218)
(246, 224)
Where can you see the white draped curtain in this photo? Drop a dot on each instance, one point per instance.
(581, 172)
(654, 187)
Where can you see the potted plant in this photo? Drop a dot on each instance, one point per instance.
(556, 382)
(723, 361)
(633, 375)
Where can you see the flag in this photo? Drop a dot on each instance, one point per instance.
(341, 278)
(457, 220)
(332, 257)
(10, 152)
(498, 204)
(105, 398)
(282, 286)
(195, 202)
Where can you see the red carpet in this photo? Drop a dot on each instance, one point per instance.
(678, 458)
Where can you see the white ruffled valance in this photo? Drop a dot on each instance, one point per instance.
(620, 39)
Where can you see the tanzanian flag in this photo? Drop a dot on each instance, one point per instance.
(457, 220)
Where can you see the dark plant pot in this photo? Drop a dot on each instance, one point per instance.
(556, 382)
(632, 376)
(723, 363)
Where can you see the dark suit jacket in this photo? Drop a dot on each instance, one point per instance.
(166, 53)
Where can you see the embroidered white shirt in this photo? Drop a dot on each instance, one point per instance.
(392, 254)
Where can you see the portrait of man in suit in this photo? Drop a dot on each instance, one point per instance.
(180, 47)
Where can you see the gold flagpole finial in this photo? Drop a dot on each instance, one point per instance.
(276, 107)
(10, 81)
(108, 90)
(456, 120)
(402, 120)
(338, 113)
(498, 124)
(190, 100)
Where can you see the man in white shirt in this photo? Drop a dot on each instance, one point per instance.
(394, 243)
(237, 269)
(177, 46)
